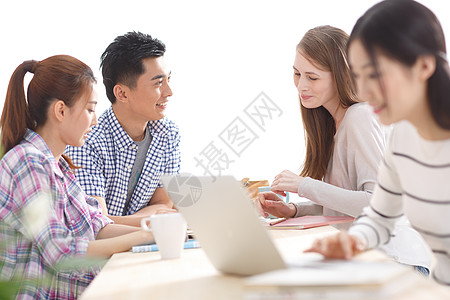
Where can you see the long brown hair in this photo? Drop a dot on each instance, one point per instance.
(59, 77)
(325, 47)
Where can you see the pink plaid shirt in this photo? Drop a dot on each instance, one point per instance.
(28, 173)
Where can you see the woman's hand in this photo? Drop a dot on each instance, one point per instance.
(269, 203)
(286, 181)
(339, 246)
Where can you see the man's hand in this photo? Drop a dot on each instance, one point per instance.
(165, 211)
(159, 204)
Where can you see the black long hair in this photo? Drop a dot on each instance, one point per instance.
(405, 30)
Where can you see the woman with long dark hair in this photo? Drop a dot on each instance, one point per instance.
(398, 57)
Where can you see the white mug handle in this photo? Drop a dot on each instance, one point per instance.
(144, 224)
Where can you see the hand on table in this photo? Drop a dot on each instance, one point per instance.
(339, 246)
(286, 181)
(269, 203)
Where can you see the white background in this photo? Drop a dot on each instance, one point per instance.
(222, 55)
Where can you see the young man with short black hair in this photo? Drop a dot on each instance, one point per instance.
(134, 143)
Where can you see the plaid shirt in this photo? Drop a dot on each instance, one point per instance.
(108, 155)
(28, 174)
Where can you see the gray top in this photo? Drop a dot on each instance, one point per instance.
(352, 170)
(142, 149)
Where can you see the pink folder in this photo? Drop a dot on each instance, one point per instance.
(311, 221)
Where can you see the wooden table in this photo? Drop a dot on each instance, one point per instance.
(145, 276)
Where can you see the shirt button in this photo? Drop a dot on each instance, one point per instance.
(129, 167)
(124, 194)
(133, 146)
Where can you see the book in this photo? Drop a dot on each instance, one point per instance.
(308, 222)
(332, 280)
(154, 247)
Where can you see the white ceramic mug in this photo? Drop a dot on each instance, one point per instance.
(169, 231)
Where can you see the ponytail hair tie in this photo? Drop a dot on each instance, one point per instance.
(30, 65)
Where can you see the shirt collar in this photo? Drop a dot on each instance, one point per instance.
(159, 127)
(123, 140)
(38, 142)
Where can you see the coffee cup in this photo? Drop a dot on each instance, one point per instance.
(169, 231)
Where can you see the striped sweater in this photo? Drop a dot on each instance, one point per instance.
(414, 180)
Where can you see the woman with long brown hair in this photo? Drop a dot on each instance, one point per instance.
(344, 144)
(46, 218)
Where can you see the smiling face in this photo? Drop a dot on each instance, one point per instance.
(148, 99)
(315, 87)
(395, 91)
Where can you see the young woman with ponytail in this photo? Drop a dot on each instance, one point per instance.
(398, 59)
(45, 217)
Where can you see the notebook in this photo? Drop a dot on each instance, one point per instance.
(225, 223)
(306, 222)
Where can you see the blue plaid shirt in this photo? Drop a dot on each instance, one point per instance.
(108, 155)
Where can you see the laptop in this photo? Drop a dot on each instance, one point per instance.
(225, 223)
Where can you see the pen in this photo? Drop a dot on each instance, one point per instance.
(154, 247)
(277, 221)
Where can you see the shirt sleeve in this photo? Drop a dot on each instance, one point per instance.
(90, 176)
(308, 208)
(345, 201)
(174, 161)
(55, 241)
(98, 219)
(376, 224)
